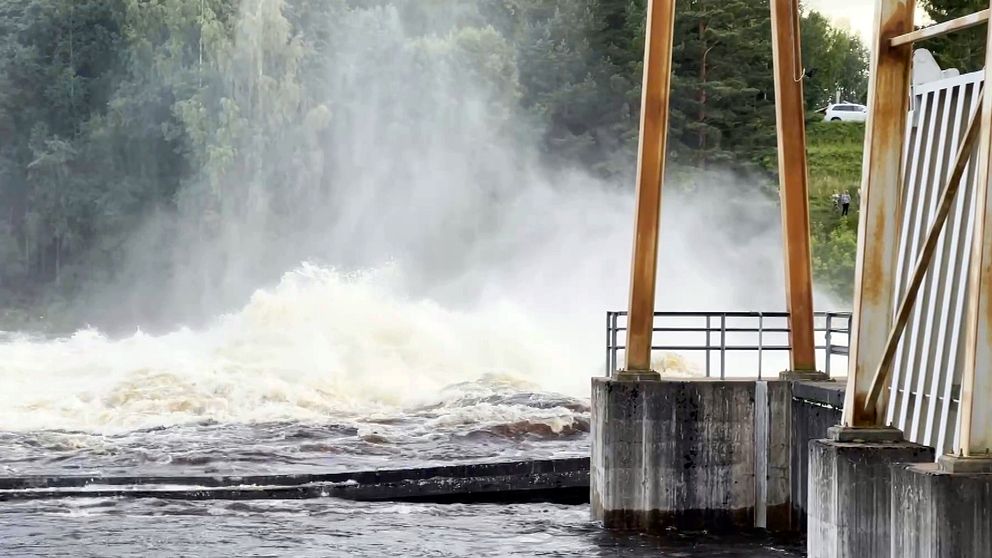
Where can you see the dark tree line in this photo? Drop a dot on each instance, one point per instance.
(964, 50)
(115, 111)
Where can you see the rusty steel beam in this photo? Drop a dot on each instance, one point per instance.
(790, 113)
(878, 225)
(943, 28)
(947, 196)
(650, 174)
(975, 414)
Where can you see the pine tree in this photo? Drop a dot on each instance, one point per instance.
(964, 50)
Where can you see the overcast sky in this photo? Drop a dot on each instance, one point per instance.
(857, 15)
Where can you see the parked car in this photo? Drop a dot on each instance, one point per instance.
(846, 112)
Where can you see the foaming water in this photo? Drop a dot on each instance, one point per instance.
(320, 345)
(477, 342)
(324, 370)
(474, 330)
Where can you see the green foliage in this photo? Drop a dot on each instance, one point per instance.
(722, 91)
(834, 155)
(833, 260)
(58, 67)
(836, 61)
(114, 112)
(580, 67)
(964, 50)
(834, 150)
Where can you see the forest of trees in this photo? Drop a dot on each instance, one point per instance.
(964, 50)
(115, 111)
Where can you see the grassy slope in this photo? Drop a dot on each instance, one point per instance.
(834, 151)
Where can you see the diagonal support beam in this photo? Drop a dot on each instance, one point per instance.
(947, 197)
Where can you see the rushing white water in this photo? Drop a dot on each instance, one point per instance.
(491, 274)
(319, 345)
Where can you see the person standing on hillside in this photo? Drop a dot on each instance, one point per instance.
(845, 203)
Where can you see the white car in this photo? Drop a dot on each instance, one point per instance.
(846, 112)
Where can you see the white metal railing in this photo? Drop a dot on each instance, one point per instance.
(732, 343)
(926, 373)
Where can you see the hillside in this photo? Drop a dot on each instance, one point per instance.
(835, 151)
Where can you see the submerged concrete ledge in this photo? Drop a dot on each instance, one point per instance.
(551, 480)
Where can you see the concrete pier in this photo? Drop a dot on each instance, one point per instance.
(693, 454)
(816, 406)
(849, 499)
(941, 513)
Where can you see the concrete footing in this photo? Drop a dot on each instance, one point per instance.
(638, 376)
(955, 464)
(804, 376)
(692, 454)
(816, 406)
(849, 507)
(942, 511)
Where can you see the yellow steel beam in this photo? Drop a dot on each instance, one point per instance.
(790, 112)
(975, 414)
(650, 174)
(878, 226)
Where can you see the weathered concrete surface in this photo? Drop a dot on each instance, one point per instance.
(804, 376)
(816, 406)
(849, 505)
(829, 393)
(773, 444)
(685, 454)
(937, 514)
(553, 480)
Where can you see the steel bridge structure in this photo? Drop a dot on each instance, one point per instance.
(921, 328)
(908, 471)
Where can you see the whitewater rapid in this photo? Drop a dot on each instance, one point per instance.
(321, 346)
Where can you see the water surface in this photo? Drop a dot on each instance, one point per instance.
(332, 528)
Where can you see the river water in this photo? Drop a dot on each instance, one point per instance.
(468, 333)
(553, 425)
(149, 528)
(496, 426)
(323, 372)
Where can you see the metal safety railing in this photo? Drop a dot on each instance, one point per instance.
(717, 334)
